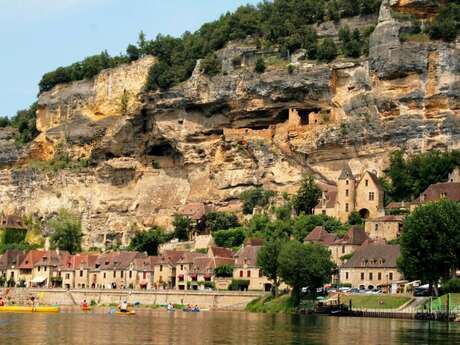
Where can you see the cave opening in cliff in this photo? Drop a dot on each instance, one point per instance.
(304, 116)
(161, 150)
(282, 116)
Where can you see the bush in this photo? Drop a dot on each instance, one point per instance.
(451, 286)
(211, 65)
(149, 241)
(224, 271)
(182, 227)
(221, 221)
(229, 238)
(4, 122)
(260, 66)
(239, 285)
(255, 197)
(327, 50)
(66, 231)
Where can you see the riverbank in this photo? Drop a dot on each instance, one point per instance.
(213, 300)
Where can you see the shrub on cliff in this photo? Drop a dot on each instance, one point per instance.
(182, 227)
(255, 197)
(446, 25)
(211, 65)
(221, 221)
(25, 122)
(260, 66)
(4, 122)
(327, 50)
(230, 238)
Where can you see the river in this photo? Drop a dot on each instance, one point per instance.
(163, 328)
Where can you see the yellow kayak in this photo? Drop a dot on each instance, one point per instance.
(24, 309)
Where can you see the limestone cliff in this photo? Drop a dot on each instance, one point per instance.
(208, 139)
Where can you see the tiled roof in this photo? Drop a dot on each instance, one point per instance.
(254, 242)
(397, 205)
(12, 222)
(11, 258)
(449, 190)
(188, 257)
(387, 218)
(247, 255)
(320, 235)
(374, 255)
(171, 257)
(195, 211)
(202, 265)
(221, 252)
(32, 257)
(376, 180)
(54, 258)
(355, 236)
(330, 194)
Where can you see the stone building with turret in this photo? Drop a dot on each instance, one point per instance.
(363, 194)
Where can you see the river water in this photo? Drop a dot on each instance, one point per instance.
(163, 328)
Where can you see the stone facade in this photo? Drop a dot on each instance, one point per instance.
(386, 228)
(350, 194)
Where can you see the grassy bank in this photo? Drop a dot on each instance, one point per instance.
(375, 301)
(281, 304)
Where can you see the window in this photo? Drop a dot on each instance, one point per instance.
(376, 227)
(346, 275)
(144, 275)
(241, 274)
(343, 249)
(121, 274)
(390, 275)
(379, 275)
(161, 268)
(371, 196)
(362, 275)
(323, 212)
(67, 276)
(130, 274)
(366, 182)
(44, 268)
(181, 267)
(81, 273)
(249, 274)
(370, 276)
(105, 275)
(39, 268)
(443, 195)
(346, 207)
(261, 273)
(114, 274)
(346, 182)
(346, 192)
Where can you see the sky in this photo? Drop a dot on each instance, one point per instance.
(37, 36)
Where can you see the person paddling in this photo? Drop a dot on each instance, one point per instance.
(84, 304)
(123, 307)
(2, 302)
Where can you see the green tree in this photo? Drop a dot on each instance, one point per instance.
(133, 52)
(230, 238)
(149, 241)
(430, 242)
(66, 231)
(307, 196)
(4, 121)
(267, 260)
(260, 66)
(304, 265)
(327, 50)
(446, 24)
(355, 218)
(221, 221)
(304, 224)
(182, 227)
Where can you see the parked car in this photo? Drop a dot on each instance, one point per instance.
(345, 289)
(355, 291)
(422, 291)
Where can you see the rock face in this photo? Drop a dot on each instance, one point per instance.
(207, 140)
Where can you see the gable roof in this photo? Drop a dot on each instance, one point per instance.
(449, 190)
(11, 258)
(31, 258)
(374, 255)
(320, 235)
(221, 252)
(374, 179)
(195, 210)
(171, 257)
(188, 257)
(355, 236)
(53, 258)
(247, 255)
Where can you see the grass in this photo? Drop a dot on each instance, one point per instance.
(420, 37)
(270, 305)
(375, 301)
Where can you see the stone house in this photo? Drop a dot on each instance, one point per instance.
(220, 252)
(46, 272)
(184, 268)
(27, 265)
(113, 268)
(246, 268)
(164, 275)
(75, 271)
(203, 270)
(372, 265)
(141, 273)
(321, 236)
(196, 212)
(364, 195)
(386, 228)
(9, 265)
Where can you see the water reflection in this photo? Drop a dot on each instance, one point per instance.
(159, 327)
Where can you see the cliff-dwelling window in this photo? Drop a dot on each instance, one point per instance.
(282, 116)
(371, 196)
